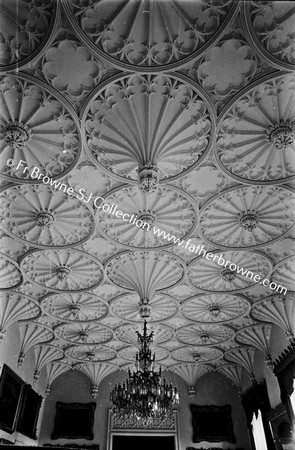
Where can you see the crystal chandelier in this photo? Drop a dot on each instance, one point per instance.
(144, 395)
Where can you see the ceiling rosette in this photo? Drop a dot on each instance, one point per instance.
(198, 355)
(168, 209)
(140, 126)
(210, 275)
(39, 127)
(204, 334)
(256, 133)
(84, 333)
(45, 217)
(145, 272)
(62, 270)
(128, 307)
(90, 353)
(75, 307)
(26, 29)
(215, 308)
(244, 217)
(148, 35)
(271, 29)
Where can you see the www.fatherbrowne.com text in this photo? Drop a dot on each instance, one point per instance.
(100, 204)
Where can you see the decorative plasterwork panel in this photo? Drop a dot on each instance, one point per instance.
(25, 31)
(45, 354)
(147, 120)
(84, 333)
(43, 217)
(148, 35)
(256, 134)
(277, 309)
(11, 247)
(271, 29)
(96, 372)
(129, 353)
(91, 179)
(75, 307)
(168, 209)
(247, 216)
(15, 306)
(10, 274)
(204, 334)
(32, 334)
(128, 333)
(284, 273)
(209, 275)
(127, 423)
(38, 128)
(226, 68)
(215, 308)
(72, 69)
(145, 272)
(257, 335)
(191, 372)
(198, 355)
(128, 307)
(232, 372)
(243, 356)
(91, 353)
(204, 181)
(62, 270)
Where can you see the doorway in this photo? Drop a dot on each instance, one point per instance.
(143, 442)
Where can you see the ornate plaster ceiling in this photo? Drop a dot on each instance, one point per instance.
(98, 94)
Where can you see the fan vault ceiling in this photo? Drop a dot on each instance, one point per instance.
(90, 92)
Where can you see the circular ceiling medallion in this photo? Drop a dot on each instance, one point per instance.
(25, 30)
(148, 128)
(148, 35)
(84, 333)
(43, 217)
(225, 272)
(145, 272)
(128, 333)
(198, 355)
(168, 209)
(39, 134)
(284, 275)
(129, 307)
(205, 334)
(62, 270)
(271, 27)
(215, 308)
(248, 216)
(256, 134)
(129, 353)
(91, 353)
(75, 307)
(10, 275)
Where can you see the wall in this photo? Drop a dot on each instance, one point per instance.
(73, 386)
(9, 351)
